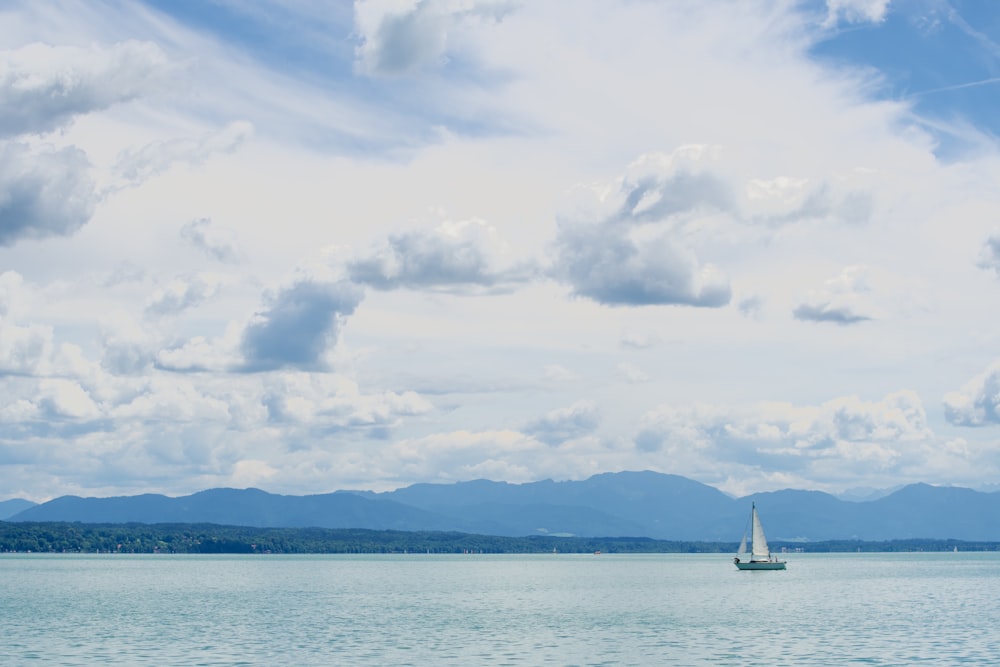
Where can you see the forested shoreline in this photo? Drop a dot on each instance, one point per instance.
(62, 537)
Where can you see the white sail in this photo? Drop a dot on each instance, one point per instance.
(760, 557)
(758, 545)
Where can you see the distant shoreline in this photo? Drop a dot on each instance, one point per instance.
(66, 537)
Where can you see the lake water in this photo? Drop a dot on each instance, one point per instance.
(649, 609)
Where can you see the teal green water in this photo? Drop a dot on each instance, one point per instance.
(662, 609)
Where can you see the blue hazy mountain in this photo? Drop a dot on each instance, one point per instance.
(633, 504)
(625, 504)
(240, 507)
(9, 508)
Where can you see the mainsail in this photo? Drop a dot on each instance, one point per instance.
(759, 542)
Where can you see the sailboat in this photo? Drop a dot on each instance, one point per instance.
(759, 557)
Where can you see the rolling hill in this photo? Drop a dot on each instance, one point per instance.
(624, 504)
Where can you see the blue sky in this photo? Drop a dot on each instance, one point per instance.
(306, 246)
(942, 58)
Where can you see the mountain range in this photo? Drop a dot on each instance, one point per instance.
(623, 504)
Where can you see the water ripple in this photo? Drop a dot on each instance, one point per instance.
(845, 609)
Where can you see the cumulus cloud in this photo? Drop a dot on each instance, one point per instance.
(297, 325)
(856, 11)
(65, 399)
(786, 200)
(842, 435)
(989, 254)
(606, 264)
(294, 413)
(750, 306)
(631, 373)
(660, 185)
(978, 402)
(24, 349)
(127, 347)
(325, 401)
(40, 411)
(398, 38)
(182, 293)
(202, 354)
(18, 410)
(20, 347)
(842, 299)
(137, 166)
(828, 312)
(557, 373)
(43, 87)
(126, 272)
(638, 340)
(463, 256)
(162, 425)
(557, 426)
(218, 243)
(295, 328)
(29, 348)
(624, 245)
(172, 399)
(43, 193)
(463, 455)
(657, 187)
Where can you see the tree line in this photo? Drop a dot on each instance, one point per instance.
(66, 537)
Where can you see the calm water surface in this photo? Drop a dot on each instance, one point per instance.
(662, 609)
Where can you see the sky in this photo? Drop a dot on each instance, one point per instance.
(306, 246)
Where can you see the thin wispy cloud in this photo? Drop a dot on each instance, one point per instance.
(957, 86)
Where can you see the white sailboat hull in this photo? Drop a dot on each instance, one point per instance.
(761, 565)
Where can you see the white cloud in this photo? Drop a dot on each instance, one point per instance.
(750, 306)
(989, 254)
(564, 424)
(43, 87)
(219, 243)
(465, 455)
(29, 348)
(128, 347)
(607, 264)
(20, 410)
(325, 401)
(978, 402)
(405, 36)
(202, 354)
(631, 373)
(836, 440)
(639, 340)
(252, 474)
(172, 399)
(297, 325)
(621, 245)
(65, 399)
(842, 299)
(24, 348)
(136, 166)
(787, 200)
(183, 293)
(557, 373)
(856, 11)
(44, 192)
(273, 157)
(462, 256)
